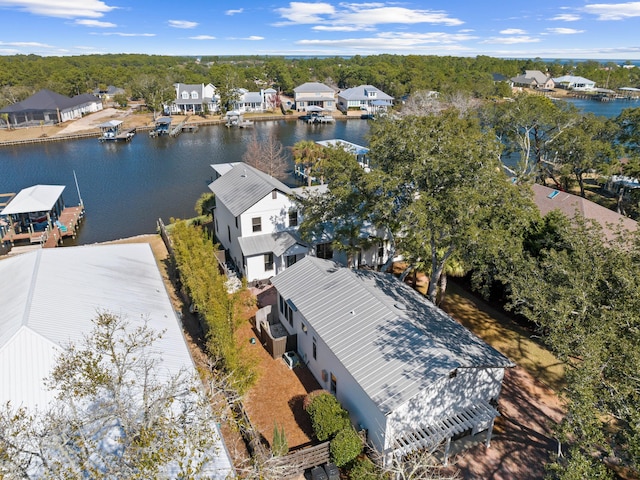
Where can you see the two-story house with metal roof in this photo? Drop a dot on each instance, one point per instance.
(256, 220)
(409, 375)
(366, 98)
(314, 94)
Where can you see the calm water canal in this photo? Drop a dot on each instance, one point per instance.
(127, 187)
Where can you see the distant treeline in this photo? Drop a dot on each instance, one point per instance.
(397, 75)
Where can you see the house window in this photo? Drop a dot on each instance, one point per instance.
(281, 302)
(315, 349)
(256, 224)
(303, 327)
(194, 95)
(217, 226)
(185, 95)
(236, 222)
(289, 314)
(274, 194)
(229, 232)
(333, 387)
(324, 250)
(293, 218)
(291, 259)
(268, 262)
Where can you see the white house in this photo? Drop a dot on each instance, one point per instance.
(409, 375)
(256, 102)
(256, 220)
(314, 94)
(51, 300)
(192, 99)
(571, 82)
(366, 98)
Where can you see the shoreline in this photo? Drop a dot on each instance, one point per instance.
(86, 127)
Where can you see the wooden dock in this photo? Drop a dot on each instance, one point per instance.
(65, 226)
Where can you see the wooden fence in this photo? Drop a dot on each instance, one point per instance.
(307, 457)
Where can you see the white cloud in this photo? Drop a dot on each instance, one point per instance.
(251, 38)
(122, 34)
(25, 44)
(340, 28)
(95, 23)
(202, 37)
(566, 17)
(511, 40)
(182, 24)
(360, 16)
(304, 13)
(233, 12)
(513, 31)
(396, 41)
(564, 31)
(61, 8)
(614, 11)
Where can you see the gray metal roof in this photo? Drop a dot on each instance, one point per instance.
(243, 186)
(393, 341)
(313, 87)
(46, 100)
(252, 97)
(360, 93)
(278, 243)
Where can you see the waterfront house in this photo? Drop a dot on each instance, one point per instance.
(255, 102)
(578, 84)
(366, 98)
(256, 220)
(107, 94)
(410, 376)
(51, 300)
(533, 79)
(49, 108)
(194, 99)
(314, 94)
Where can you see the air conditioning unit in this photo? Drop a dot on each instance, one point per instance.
(325, 376)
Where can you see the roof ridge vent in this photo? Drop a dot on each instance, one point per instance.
(244, 173)
(400, 306)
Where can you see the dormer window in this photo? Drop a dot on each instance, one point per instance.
(194, 95)
(185, 95)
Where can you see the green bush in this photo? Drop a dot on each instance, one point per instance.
(362, 468)
(345, 446)
(327, 416)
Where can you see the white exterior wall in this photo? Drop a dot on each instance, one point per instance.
(274, 215)
(445, 398)
(363, 412)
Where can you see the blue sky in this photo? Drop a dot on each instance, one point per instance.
(547, 29)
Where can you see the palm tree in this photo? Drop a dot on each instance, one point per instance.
(311, 156)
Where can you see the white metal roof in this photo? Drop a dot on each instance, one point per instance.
(394, 342)
(52, 299)
(39, 198)
(243, 186)
(277, 243)
(110, 124)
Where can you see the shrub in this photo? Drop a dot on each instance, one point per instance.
(362, 468)
(345, 446)
(279, 446)
(327, 416)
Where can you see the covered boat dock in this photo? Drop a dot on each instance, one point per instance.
(38, 215)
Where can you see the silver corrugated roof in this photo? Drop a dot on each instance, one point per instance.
(39, 198)
(393, 341)
(360, 93)
(243, 186)
(313, 87)
(278, 243)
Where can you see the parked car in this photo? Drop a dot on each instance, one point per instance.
(291, 359)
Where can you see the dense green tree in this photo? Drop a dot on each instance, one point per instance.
(311, 157)
(583, 148)
(629, 124)
(452, 199)
(155, 91)
(527, 128)
(583, 295)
